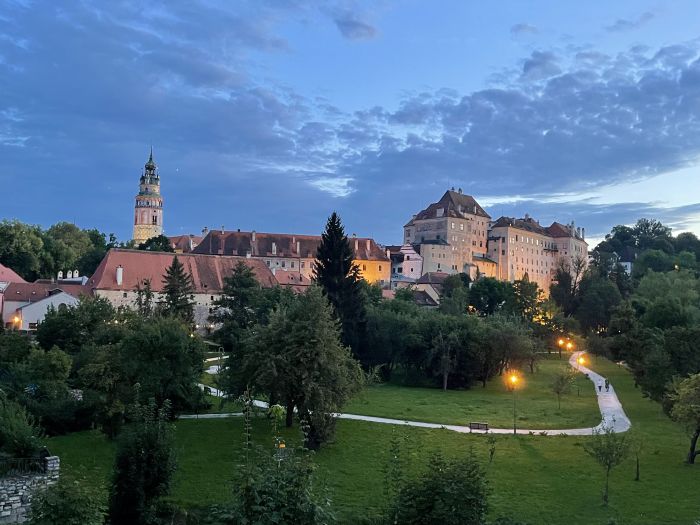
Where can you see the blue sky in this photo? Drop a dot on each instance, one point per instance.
(269, 115)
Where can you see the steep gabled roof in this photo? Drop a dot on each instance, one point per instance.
(207, 271)
(451, 204)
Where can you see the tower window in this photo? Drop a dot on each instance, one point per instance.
(155, 219)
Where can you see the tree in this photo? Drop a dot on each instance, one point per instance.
(488, 295)
(565, 286)
(157, 244)
(525, 299)
(298, 359)
(68, 503)
(449, 492)
(144, 298)
(599, 296)
(562, 384)
(177, 292)
(685, 399)
(609, 449)
(165, 360)
(243, 303)
(21, 248)
(339, 278)
(143, 466)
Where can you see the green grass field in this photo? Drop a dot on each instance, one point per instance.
(538, 480)
(536, 404)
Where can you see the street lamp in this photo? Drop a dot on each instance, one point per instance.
(569, 346)
(512, 383)
(581, 360)
(561, 344)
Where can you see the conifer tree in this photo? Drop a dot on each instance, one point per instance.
(177, 292)
(339, 278)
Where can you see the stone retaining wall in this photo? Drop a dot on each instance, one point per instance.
(16, 491)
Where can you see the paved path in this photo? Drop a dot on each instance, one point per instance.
(613, 415)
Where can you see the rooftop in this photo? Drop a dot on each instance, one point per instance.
(452, 204)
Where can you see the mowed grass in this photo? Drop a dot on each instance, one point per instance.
(536, 479)
(536, 404)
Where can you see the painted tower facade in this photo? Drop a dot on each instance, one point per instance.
(148, 211)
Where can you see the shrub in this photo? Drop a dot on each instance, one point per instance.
(19, 434)
(67, 503)
(449, 492)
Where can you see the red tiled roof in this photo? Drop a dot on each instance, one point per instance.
(185, 243)
(528, 224)
(558, 230)
(207, 271)
(33, 292)
(9, 276)
(294, 280)
(285, 245)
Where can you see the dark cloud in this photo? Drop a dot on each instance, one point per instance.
(623, 24)
(540, 65)
(523, 29)
(354, 29)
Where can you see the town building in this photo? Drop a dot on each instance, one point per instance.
(122, 271)
(523, 248)
(148, 209)
(293, 252)
(458, 220)
(438, 256)
(406, 265)
(24, 305)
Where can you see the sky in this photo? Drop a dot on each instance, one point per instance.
(269, 115)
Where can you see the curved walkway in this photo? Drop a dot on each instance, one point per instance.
(611, 411)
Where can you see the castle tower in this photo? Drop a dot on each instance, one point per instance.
(148, 211)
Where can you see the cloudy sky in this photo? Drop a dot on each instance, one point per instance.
(269, 115)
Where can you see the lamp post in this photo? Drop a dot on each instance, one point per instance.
(561, 344)
(512, 383)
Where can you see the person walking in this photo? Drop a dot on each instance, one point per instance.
(600, 385)
(607, 385)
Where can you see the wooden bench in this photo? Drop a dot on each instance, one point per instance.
(478, 426)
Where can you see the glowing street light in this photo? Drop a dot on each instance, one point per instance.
(569, 346)
(581, 360)
(512, 383)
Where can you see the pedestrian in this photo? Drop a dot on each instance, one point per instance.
(607, 385)
(600, 385)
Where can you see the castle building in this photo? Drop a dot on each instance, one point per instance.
(457, 222)
(148, 210)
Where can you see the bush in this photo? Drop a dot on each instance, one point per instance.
(19, 434)
(449, 492)
(67, 503)
(143, 467)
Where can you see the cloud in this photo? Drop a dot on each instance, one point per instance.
(540, 65)
(622, 24)
(92, 88)
(354, 29)
(523, 29)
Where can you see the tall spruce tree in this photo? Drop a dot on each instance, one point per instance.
(339, 278)
(178, 288)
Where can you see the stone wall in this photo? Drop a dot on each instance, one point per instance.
(16, 491)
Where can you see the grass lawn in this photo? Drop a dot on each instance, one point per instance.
(538, 480)
(536, 403)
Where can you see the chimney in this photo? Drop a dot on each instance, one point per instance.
(368, 245)
(205, 230)
(298, 248)
(459, 190)
(583, 233)
(222, 229)
(252, 236)
(578, 231)
(274, 248)
(357, 245)
(388, 253)
(120, 275)
(527, 216)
